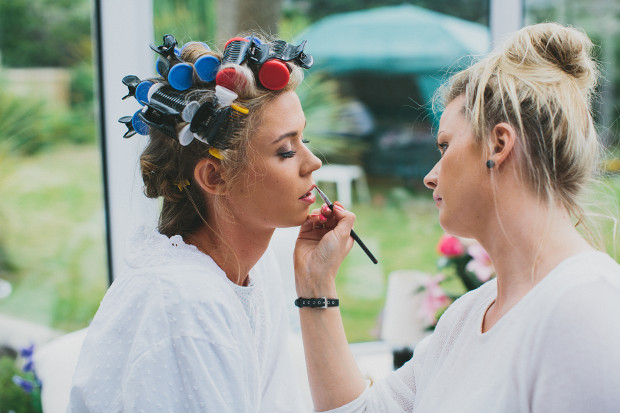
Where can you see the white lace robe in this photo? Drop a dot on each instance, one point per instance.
(174, 334)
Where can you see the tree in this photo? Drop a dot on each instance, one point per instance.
(35, 33)
(235, 16)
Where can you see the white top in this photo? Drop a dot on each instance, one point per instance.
(556, 350)
(175, 334)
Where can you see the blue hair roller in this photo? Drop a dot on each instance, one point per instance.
(142, 91)
(162, 66)
(180, 76)
(207, 67)
(139, 125)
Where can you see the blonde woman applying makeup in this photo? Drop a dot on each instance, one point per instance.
(518, 148)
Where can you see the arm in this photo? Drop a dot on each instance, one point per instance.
(334, 377)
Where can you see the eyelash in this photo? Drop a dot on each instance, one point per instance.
(290, 154)
(442, 148)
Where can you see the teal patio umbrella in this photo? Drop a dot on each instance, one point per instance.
(382, 46)
(404, 39)
(396, 39)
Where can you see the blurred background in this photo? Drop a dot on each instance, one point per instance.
(368, 103)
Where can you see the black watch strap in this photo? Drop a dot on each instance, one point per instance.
(322, 302)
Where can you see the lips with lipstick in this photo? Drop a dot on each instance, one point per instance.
(437, 199)
(309, 196)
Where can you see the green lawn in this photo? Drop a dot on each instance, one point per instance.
(52, 222)
(52, 230)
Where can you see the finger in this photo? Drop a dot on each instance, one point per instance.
(326, 210)
(343, 228)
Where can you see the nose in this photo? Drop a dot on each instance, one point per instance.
(430, 180)
(311, 163)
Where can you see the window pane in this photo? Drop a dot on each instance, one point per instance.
(52, 242)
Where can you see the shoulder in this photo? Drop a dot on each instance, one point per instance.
(585, 290)
(584, 283)
(579, 310)
(576, 339)
(167, 300)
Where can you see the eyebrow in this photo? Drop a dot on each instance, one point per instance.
(288, 135)
(284, 136)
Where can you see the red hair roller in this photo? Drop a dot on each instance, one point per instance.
(230, 79)
(274, 74)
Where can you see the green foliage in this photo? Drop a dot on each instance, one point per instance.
(40, 33)
(82, 85)
(187, 20)
(323, 106)
(28, 127)
(54, 227)
(21, 124)
(77, 297)
(12, 397)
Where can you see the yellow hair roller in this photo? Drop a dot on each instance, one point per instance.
(215, 152)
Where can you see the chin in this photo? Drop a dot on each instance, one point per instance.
(293, 222)
(453, 228)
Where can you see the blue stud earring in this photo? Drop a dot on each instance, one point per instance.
(490, 164)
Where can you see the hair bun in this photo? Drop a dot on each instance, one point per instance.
(565, 48)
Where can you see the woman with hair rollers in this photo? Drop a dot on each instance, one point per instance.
(198, 322)
(518, 146)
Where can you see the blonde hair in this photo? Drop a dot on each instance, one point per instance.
(542, 82)
(166, 164)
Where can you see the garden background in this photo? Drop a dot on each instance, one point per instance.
(52, 217)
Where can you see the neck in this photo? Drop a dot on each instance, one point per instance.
(526, 246)
(233, 247)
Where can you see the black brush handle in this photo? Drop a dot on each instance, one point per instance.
(359, 241)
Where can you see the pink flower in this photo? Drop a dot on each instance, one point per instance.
(480, 263)
(434, 299)
(450, 246)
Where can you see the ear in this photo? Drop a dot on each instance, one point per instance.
(208, 175)
(503, 139)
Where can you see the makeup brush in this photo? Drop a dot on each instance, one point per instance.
(353, 234)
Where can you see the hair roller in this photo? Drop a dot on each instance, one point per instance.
(206, 67)
(138, 125)
(274, 74)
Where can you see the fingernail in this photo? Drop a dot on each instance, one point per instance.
(324, 208)
(339, 208)
(322, 218)
(314, 215)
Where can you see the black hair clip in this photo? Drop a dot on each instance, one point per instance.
(281, 50)
(132, 83)
(168, 55)
(166, 100)
(130, 130)
(211, 124)
(236, 50)
(158, 120)
(170, 66)
(137, 88)
(168, 48)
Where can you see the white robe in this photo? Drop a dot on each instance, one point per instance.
(175, 334)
